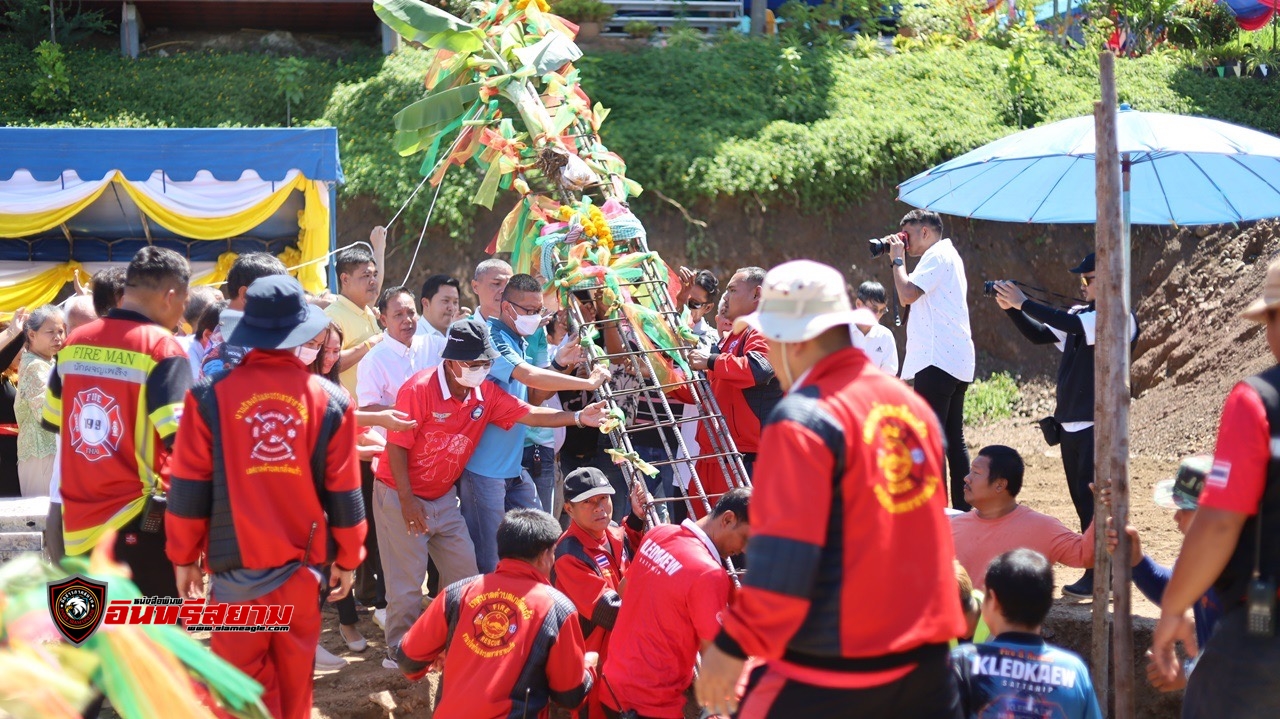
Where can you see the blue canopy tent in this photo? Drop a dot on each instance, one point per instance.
(76, 199)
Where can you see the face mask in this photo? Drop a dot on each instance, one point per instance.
(306, 354)
(472, 376)
(528, 324)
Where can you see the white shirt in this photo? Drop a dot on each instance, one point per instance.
(195, 353)
(389, 364)
(426, 329)
(882, 348)
(938, 332)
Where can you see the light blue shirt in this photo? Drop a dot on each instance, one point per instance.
(538, 353)
(500, 451)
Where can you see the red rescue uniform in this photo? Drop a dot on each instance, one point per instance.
(851, 582)
(264, 472)
(589, 571)
(746, 388)
(512, 645)
(115, 396)
(676, 591)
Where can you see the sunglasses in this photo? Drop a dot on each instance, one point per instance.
(1086, 280)
(696, 305)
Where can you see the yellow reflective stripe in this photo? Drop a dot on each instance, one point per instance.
(52, 412)
(105, 363)
(166, 419)
(83, 540)
(143, 446)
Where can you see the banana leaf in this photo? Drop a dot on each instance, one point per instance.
(419, 22)
(418, 124)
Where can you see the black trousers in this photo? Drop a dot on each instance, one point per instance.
(927, 692)
(945, 394)
(1077, 462)
(369, 586)
(1235, 675)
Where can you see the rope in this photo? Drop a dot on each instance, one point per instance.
(431, 210)
(412, 195)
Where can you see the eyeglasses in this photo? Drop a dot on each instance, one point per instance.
(1086, 280)
(477, 365)
(526, 310)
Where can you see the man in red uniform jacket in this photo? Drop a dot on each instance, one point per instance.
(264, 472)
(743, 381)
(851, 597)
(593, 555)
(676, 590)
(512, 642)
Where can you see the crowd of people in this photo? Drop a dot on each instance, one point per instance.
(443, 467)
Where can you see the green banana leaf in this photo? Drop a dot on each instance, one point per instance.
(419, 22)
(418, 124)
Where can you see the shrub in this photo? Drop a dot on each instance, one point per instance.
(580, 11)
(640, 29)
(990, 400)
(27, 22)
(52, 87)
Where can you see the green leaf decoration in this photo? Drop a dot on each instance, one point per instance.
(550, 53)
(419, 22)
(418, 124)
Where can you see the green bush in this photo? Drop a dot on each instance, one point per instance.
(641, 29)
(742, 120)
(51, 88)
(580, 11)
(991, 399)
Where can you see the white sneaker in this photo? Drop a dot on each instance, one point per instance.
(380, 618)
(389, 663)
(327, 660)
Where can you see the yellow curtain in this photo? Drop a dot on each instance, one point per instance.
(37, 290)
(212, 228)
(305, 262)
(35, 223)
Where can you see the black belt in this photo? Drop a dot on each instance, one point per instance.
(879, 663)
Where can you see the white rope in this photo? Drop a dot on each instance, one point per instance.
(412, 195)
(431, 210)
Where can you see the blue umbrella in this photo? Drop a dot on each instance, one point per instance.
(1183, 171)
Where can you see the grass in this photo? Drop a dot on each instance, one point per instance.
(990, 400)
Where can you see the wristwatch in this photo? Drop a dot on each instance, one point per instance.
(898, 262)
(557, 366)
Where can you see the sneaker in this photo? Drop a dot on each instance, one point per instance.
(380, 618)
(327, 660)
(354, 639)
(1083, 588)
(389, 663)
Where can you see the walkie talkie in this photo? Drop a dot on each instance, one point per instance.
(153, 512)
(1261, 596)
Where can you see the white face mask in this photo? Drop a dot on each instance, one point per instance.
(306, 354)
(472, 376)
(528, 324)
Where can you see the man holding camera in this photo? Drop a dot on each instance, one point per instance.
(1072, 421)
(939, 355)
(1233, 544)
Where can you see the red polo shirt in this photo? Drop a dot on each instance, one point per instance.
(1240, 459)
(448, 429)
(676, 590)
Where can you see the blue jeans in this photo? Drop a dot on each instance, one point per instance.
(484, 501)
(543, 474)
(661, 485)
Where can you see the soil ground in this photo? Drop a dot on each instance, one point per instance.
(365, 690)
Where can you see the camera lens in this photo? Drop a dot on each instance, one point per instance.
(878, 247)
(989, 287)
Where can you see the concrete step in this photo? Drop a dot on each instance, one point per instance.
(14, 543)
(23, 514)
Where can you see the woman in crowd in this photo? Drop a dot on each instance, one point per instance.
(46, 331)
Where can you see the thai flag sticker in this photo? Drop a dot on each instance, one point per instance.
(1218, 475)
(602, 562)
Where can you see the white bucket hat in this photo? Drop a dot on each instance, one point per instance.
(800, 300)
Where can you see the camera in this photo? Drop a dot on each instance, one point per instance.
(881, 246)
(989, 287)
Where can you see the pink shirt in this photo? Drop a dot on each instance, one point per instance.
(978, 540)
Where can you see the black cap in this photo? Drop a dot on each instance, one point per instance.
(276, 316)
(584, 483)
(468, 341)
(1086, 265)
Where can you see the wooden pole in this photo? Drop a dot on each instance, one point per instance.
(1107, 364)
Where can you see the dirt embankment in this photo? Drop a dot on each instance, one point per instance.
(1188, 288)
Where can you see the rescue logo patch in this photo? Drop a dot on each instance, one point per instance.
(495, 623)
(273, 434)
(95, 424)
(477, 412)
(76, 606)
(441, 417)
(897, 436)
